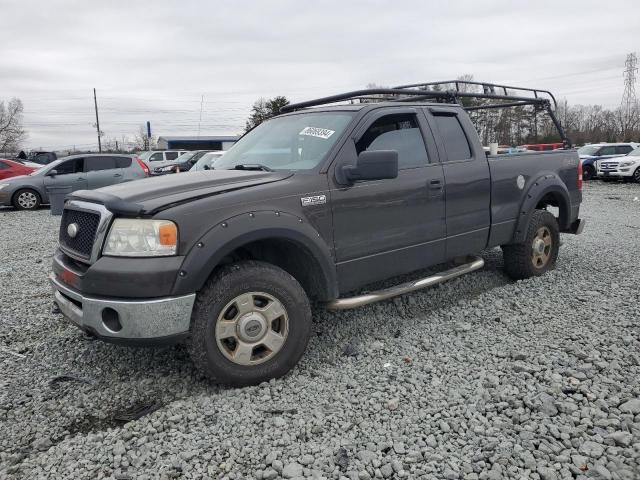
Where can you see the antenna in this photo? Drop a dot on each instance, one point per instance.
(629, 104)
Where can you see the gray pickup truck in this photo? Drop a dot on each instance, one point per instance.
(309, 206)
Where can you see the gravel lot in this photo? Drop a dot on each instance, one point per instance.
(478, 378)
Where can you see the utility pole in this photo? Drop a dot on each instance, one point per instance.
(95, 102)
(629, 104)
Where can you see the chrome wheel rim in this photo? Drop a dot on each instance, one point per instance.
(541, 247)
(252, 328)
(27, 200)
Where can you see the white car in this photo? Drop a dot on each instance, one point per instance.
(626, 167)
(159, 155)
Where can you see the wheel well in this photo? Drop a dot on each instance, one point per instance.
(26, 189)
(554, 199)
(289, 255)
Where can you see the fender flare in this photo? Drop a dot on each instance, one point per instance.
(242, 229)
(542, 186)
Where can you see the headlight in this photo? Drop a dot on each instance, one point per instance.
(130, 237)
(626, 163)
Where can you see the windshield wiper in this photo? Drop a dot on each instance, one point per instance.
(252, 166)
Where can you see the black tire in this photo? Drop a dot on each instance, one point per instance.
(520, 259)
(636, 175)
(213, 301)
(19, 199)
(588, 172)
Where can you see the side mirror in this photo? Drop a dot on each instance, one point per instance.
(373, 165)
(52, 173)
(206, 167)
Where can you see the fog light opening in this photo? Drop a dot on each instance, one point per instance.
(111, 320)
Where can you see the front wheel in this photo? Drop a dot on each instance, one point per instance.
(539, 251)
(26, 199)
(250, 323)
(636, 175)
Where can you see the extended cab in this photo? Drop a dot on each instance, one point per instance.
(310, 205)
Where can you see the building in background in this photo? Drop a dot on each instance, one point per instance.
(196, 143)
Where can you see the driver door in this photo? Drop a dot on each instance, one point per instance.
(389, 227)
(70, 173)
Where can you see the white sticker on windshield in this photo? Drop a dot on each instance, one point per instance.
(317, 132)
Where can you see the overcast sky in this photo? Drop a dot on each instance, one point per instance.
(153, 60)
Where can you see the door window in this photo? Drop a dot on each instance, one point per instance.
(611, 150)
(171, 155)
(156, 157)
(623, 149)
(94, 164)
(453, 137)
(400, 133)
(70, 166)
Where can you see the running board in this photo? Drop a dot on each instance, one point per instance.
(472, 264)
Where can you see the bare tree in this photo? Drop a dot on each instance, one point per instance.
(11, 131)
(141, 142)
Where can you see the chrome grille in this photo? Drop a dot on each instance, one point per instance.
(87, 226)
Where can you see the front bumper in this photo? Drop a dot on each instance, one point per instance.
(145, 321)
(615, 174)
(5, 198)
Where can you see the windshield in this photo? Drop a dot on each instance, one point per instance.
(144, 155)
(293, 142)
(588, 150)
(46, 168)
(208, 159)
(185, 157)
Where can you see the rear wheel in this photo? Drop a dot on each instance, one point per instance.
(588, 172)
(26, 199)
(251, 322)
(539, 251)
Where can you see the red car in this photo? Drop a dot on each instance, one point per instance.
(10, 168)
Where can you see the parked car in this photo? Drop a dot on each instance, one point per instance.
(207, 161)
(181, 164)
(311, 204)
(626, 167)
(42, 158)
(79, 172)
(154, 156)
(11, 168)
(543, 147)
(591, 154)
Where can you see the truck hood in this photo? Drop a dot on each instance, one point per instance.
(150, 195)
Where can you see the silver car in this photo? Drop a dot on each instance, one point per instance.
(77, 172)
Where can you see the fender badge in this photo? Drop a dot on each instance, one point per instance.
(314, 200)
(520, 182)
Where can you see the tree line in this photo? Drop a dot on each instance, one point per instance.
(510, 126)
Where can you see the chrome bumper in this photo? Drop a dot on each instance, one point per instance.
(136, 319)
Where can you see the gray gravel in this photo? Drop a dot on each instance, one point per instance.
(480, 378)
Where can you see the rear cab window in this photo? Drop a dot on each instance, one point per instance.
(453, 137)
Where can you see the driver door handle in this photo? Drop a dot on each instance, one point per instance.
(435, 184)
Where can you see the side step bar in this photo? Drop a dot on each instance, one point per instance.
(472, 264)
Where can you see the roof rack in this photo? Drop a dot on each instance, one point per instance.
(420, 91)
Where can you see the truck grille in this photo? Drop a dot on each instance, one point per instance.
(87, 225)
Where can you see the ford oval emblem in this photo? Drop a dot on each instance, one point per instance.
(72, 230)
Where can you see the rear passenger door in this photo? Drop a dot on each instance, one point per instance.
(101, 171)
(388, 227)
(467, 180)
